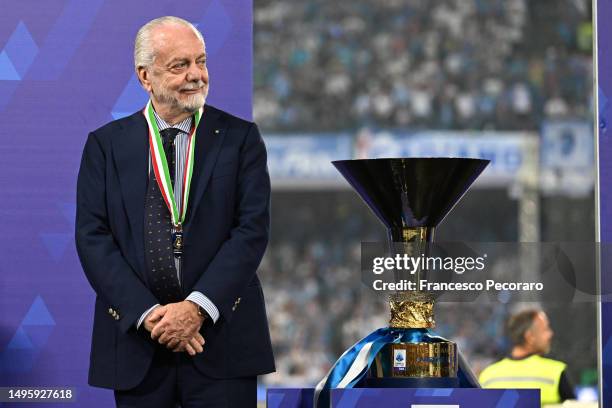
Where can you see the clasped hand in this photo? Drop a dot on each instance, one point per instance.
(177, 326)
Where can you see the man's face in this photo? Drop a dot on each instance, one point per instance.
(178, 78)
(539, 336)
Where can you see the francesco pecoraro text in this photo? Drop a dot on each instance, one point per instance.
(425, 285)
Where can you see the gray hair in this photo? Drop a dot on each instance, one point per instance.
(144, 52)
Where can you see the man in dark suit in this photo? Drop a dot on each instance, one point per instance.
(170, 233)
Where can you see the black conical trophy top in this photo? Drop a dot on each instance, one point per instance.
(411, 192)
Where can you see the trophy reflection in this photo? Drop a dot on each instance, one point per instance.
(411, 196)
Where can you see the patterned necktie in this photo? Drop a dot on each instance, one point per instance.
(159, 257)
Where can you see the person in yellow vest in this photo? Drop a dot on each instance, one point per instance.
(525, 367)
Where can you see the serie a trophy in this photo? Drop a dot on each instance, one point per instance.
(411, 196)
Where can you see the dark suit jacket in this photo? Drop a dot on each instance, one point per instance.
(226, 233)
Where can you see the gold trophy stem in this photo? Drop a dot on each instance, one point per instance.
(411, 234)
(411, 311)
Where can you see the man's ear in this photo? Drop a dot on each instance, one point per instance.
(528, 338)
(143, 77)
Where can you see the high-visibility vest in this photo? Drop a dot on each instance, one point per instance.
(531, 372)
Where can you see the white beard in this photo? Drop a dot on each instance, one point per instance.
(191, 104)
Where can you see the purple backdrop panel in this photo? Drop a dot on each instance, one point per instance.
(438, 397)
(404, 398)
(66, 68)
(289, 397)
(604, 101)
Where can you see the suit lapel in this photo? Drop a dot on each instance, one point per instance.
(209, 139)
(131, 153)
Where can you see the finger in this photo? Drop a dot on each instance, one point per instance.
(173, 343)
(153, 318)
(193, 342)
(190, 349)
(157, 313)
(179, 348)
(147, 325)
(164, 338)
(199, 338)
(158, 330)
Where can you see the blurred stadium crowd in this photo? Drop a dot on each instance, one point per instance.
(443, 64)
(432, 64)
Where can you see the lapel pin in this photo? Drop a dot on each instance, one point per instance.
(217, 131)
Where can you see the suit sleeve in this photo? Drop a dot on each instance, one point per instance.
(110, 275)
(236, 262)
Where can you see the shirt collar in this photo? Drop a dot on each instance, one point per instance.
(184, 126)
(520, 358)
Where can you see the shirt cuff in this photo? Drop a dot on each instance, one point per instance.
(201, 300)
(144, 316)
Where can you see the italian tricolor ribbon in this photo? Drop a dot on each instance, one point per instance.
(159, 163)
